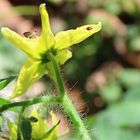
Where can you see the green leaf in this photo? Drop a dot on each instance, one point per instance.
(119, 122)
(130, 77)
(134, 44)
(4, 82)
(26, 129)
(111, 92)
(132, 94)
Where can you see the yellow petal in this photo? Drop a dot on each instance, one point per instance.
(67, 38)
(46, 40)
(63, 56)
(12, 130)
(20, 42)
(39, 128)
(45, 20)
(30, 73)
(54, 134)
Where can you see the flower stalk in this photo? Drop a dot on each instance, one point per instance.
(58, 77)
(67, 104)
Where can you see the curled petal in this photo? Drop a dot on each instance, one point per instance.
(66, 39)
(30, 73)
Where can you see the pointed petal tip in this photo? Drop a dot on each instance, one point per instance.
(97, 27)
(42, 6)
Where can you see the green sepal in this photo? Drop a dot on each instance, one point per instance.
(50, 131)
(26, 129)
(4, 82)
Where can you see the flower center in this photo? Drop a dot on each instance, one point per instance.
(44, 56)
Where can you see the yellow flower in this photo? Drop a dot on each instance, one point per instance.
(43, 126)
(37, 49)
(40, 129)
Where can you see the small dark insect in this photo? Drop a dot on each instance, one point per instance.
(30, 34)
(89, 28)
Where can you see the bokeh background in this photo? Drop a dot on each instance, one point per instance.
(103, 76)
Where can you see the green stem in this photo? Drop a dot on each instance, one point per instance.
(44, 99)
(75, 118)
(57, 75)
(67, 104)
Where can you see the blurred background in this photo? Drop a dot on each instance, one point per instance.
(103, 76)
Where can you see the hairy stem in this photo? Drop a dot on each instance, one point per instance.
(67, 104)
(44, 99)
(75, 118)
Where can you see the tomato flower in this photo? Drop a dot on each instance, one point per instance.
(47, 132)
(37, 49)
